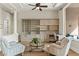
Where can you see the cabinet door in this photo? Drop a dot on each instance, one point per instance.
(43, 22)
(49, 22)
(43, 28)
(54, 27)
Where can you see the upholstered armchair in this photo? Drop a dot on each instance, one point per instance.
(11, 48)
(12, 37)
(60, 48)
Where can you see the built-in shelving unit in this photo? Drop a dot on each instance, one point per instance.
(40, 25)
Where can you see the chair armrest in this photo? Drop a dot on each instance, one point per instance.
(12, 43)
(56, 46)
(15, 46)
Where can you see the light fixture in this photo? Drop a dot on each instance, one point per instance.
(37, 8)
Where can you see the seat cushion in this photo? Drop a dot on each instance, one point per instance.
(16, 49)
(64, 41)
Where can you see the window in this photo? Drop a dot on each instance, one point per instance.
(5, 26)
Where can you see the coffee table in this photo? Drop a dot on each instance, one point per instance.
(38, 47)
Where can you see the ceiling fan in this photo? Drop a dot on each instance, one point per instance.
(38, 6)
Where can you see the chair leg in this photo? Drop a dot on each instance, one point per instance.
(42, 50)
(19, 54)
(51, 55)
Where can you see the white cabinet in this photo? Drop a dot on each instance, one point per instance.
(49, 22)
(43, 27)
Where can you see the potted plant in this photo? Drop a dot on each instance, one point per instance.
(35, 41)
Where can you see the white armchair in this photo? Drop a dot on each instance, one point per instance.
(59, 48)
(11, 48)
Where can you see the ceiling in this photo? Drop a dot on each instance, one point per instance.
(25, 6)
(74, 5)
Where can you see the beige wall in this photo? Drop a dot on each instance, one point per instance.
(72, 20)
(34, 14)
